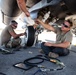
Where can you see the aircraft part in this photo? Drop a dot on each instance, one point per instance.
(9, 10)
(42, 4)
(30, 36)
(71, 5)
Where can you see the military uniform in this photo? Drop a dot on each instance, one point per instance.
(60, 38)
(6, 38)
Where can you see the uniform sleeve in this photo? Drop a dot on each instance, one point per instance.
(69, 37)
(10, 29)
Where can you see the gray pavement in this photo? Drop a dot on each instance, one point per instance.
(7, 62)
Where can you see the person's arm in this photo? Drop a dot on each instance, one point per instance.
(63, 45)
(14, 35)
(46, 26)
(22, 6)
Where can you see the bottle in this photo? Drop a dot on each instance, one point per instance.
(46, 16)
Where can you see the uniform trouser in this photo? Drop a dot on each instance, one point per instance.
(13, 43)
(60, 51)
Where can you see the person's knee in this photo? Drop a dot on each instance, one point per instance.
(66, 52)
(16, 42)
(42, 44)
(61, 51)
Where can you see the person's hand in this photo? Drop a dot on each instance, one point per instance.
(23, 34)
(27, 13)
(22, 6)
(35, 26)
(48, 44)
(37, 21)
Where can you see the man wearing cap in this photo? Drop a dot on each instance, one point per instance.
(9, 32)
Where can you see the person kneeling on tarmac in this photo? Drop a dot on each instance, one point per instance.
(8, 33)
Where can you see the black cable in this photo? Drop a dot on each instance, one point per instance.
(30, 64)
(27, 61)
(53, 60)
(2, 73)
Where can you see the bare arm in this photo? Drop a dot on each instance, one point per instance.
(22, 6)
(63, 45)
(47, 26)
(16, 35)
